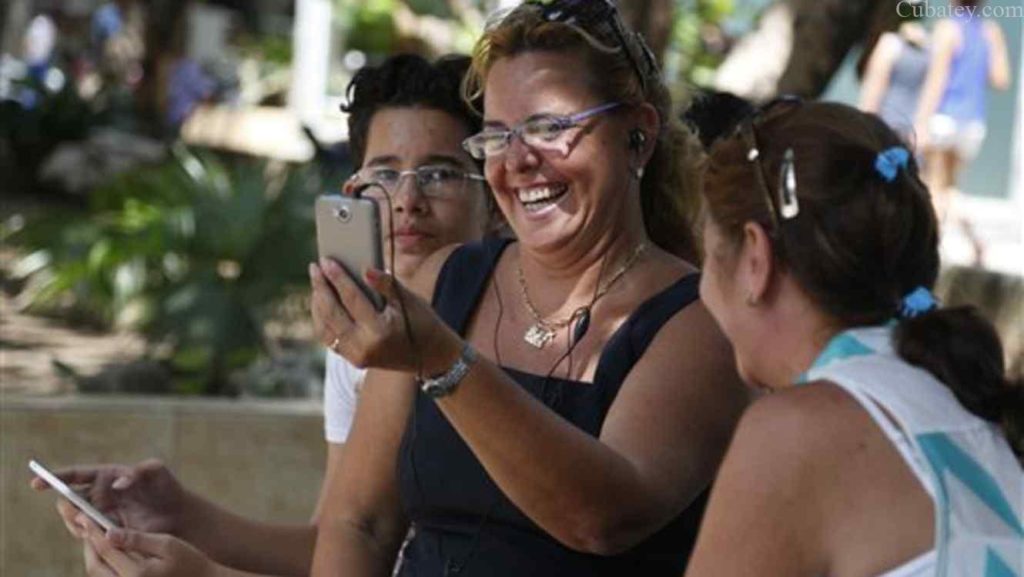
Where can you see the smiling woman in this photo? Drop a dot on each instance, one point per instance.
(581, 347)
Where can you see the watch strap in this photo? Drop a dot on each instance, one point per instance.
(445, 383)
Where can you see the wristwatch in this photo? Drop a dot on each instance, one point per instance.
(445, 383)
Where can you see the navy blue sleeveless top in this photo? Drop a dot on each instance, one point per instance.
(463, 523)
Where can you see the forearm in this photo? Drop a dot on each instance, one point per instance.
(245, 544)
(344, 549)
(931, 93)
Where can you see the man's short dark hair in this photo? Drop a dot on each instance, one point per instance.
(713, 114)
(406, 80)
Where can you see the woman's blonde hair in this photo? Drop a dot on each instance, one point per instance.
(669, 190)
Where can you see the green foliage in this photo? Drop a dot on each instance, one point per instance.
(698, 41)
(193, 252)
(368, 26)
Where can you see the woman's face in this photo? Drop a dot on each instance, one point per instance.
(405, 138)
(553, 197)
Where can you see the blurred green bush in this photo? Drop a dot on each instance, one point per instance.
(194, 253)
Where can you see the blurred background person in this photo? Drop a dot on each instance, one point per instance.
(968, 56)
(895, 73)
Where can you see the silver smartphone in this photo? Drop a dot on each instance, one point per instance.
(69, 494)
(348, 231)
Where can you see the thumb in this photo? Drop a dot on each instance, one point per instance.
(154, 544)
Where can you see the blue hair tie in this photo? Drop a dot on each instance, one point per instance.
(889, 162)
(917, 302)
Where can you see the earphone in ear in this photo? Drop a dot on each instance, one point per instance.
(637, 139)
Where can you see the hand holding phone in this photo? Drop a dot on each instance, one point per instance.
(348, 231)
(69, 494)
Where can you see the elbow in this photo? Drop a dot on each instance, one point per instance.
(604, 534)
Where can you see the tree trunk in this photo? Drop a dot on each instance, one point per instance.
(165, 37)
(800, 44)
(653, 19)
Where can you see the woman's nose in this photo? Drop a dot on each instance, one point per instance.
(519, 156)
(408, 197)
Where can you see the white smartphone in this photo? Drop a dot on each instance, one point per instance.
(348, 230)
(76, 499)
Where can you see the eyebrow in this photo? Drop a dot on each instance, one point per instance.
(381, 160)
(430, 159)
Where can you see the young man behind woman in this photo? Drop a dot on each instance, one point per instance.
(405, 115)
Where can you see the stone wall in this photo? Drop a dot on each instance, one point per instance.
(262, 459)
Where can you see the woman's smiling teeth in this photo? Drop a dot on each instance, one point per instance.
(538, 197)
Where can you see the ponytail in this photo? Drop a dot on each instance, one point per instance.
(962, 349)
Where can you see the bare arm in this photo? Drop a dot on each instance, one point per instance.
(272, 549)
(360, 521)
(999, 60)
(944, 45)
(879, 70)
(236, 541)
(361, 524)
(148, 498)
(811, 486)
(661, 442)
(640, 475)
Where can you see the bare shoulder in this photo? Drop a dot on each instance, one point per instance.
(779, 491)
(691, 335)
(947, 34)
(820, 413)
(889, 45)
(814, 431)
(993, 31)
(424, 281)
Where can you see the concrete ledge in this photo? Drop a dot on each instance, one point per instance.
(263, 459)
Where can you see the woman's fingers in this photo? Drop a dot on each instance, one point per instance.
(352, 297)
(84, 475)
(119, 561)
(94, 565)
(330, 318)
(68, 514)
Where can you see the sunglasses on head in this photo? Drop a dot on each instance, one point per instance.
(601, 18)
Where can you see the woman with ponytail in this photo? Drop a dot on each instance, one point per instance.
(894, 444)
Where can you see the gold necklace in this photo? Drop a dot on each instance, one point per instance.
(542, 331)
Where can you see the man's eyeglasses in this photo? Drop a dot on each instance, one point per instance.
(543, 132)
(601, 17)
(784, 204)
(433, 181)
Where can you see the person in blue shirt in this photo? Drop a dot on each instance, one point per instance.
(968, 57)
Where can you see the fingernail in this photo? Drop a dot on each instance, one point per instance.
(373, 275)
(81, 521)
(121, 483)
(312, 271)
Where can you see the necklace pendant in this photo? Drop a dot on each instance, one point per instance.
(538, 336)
